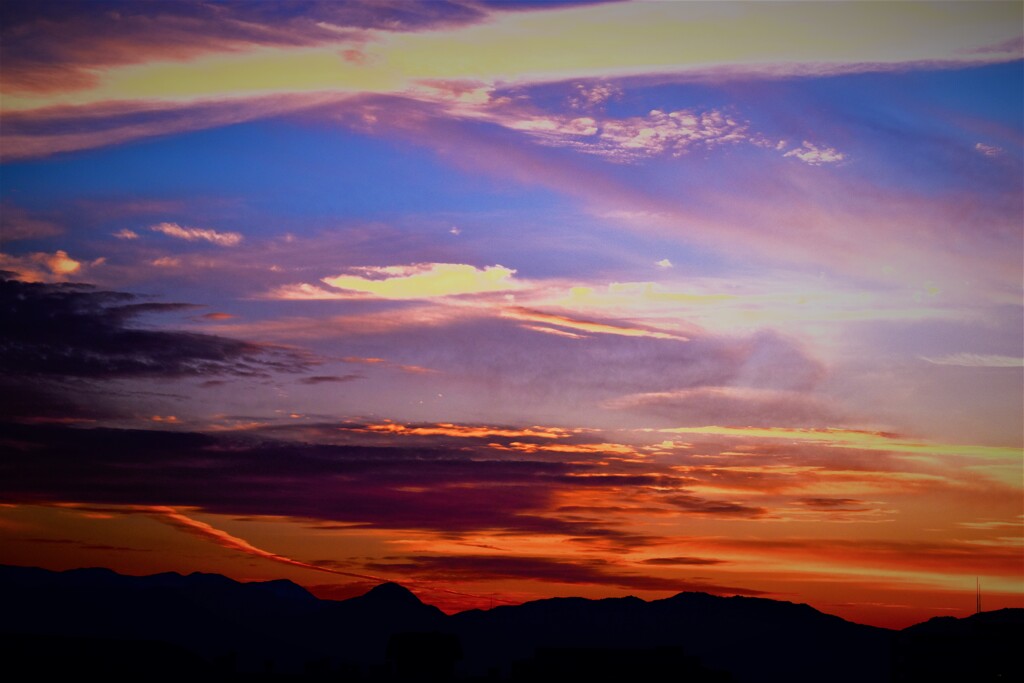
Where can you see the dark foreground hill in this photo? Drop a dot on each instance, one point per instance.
(63, 625)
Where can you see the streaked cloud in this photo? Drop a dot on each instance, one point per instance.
(976, 360)
(680, 561)
(18, 224)
(570, 448)
(467, 431)
(222, 239)
(564, 571)
(222, 538)
(858, 439)
(731, 405)
(520, 313)
(329, 379)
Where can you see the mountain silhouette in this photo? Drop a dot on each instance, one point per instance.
(208, 627)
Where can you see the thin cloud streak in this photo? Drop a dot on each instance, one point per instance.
(221, 239)
(976, 360)
(222, 538)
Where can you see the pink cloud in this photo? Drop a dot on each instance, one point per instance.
(222, 239)
(17, 224)
(732, 405)
(989, 150)
(812, 155)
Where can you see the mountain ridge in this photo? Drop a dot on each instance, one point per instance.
(279, 626)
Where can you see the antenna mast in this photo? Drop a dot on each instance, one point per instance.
(977, 595)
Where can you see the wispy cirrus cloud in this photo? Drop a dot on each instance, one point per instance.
(222, 239)
(591, 326)
(258, 57)
(222, 538)
(39, 133)
(976, 360)
(437, 281)
(859, 439)
(930, 560)
(18, 224)
(628, 139)
(732, 405)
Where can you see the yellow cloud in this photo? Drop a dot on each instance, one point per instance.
(425, 280)
(851, 438)
(635, 38)
(616, 39)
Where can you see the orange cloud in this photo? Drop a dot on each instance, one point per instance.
(42, 267)
(940, 562)
(587, 448)
(467, 431)
(226, 540)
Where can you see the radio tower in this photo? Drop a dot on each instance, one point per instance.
(977, 595)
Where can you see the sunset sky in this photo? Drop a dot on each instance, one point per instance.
(507, 300)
